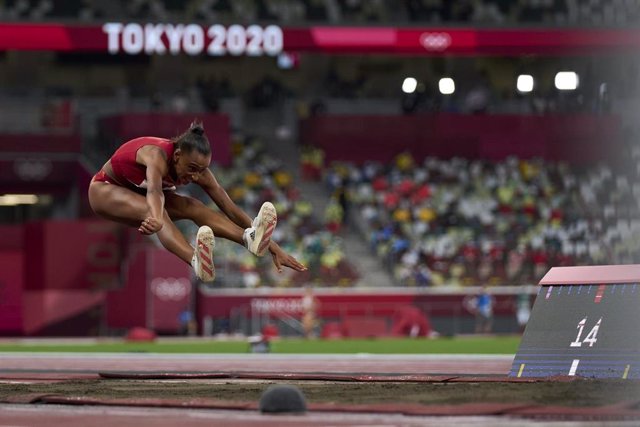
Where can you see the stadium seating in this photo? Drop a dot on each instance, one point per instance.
(254, 178)
(470, 222)
(548, 12)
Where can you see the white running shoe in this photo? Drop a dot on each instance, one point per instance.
(202, 261)
(258, 236)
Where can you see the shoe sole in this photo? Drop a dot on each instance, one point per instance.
(267, 220)
(205, 242)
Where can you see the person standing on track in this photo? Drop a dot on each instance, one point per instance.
(481, 305)
(136, 187)
(310, 307)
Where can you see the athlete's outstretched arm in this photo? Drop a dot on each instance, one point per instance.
(281, 258)
(156, 167)
(218, 194)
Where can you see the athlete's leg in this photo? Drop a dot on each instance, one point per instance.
(255, 238)
(184, 207)
(127, 207)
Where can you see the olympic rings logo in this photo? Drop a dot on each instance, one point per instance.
(170, 288)
(32, 169)
(435, 41)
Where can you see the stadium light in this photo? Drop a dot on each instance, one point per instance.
(447, 86)
(566, 80)
(18, 199)
(409, 85)
(525, 83)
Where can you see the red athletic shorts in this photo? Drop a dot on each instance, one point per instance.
(101, 176)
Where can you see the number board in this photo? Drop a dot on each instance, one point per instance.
(583, 326)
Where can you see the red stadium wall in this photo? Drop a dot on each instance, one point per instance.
(357, 312)
(345, 303)
(36, 143)
(41, 164)
(126, 307)
(576, 138)
(157, 289)
(12, 238)
(11, 292)
(71, 266)
(11, 280)
(348, 302)
(82, 255)
(169, 290)
(83, 277)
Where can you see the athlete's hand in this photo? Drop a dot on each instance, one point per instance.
(150, 225)
(281, 258)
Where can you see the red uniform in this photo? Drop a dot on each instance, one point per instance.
(127, 172)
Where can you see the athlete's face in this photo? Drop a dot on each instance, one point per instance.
(189, 165)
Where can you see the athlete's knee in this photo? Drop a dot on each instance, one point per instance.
(96, 204)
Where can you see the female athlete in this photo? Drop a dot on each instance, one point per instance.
(136, 186)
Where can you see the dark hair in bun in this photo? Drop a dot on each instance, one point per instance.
(197, 128)
(193, 139)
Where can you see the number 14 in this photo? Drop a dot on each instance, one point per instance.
(591, 337)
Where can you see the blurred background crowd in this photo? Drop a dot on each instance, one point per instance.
(548, 12)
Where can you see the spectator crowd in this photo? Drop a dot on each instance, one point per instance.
(256, 177)
(472, 222)
(497, 12)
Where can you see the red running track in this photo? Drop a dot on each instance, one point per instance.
(90, 363)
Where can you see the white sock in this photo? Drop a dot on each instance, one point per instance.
(194, 260)
(245, 236)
